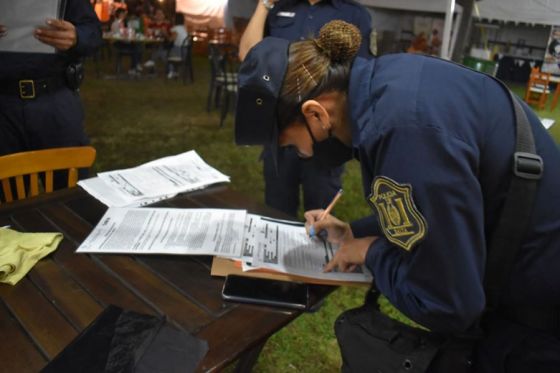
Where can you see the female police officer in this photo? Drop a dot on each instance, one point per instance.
(435, 142)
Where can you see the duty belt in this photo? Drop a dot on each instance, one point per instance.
(29, 89)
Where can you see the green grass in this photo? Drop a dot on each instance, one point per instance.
(134, 121)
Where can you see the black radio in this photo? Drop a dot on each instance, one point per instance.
(74, 75)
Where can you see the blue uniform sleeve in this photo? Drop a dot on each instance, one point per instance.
(88, 28)
(439, 282)
(365, 227)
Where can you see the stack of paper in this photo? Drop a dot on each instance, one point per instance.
(284, 246)
(260, 243)
(153, 181)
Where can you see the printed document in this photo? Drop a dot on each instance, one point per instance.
(168, 231)
(257, 241)
(284, 246)
(153, 181)
(22, 17)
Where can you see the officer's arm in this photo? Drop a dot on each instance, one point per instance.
(364, 227)
(254, 31)
(88, 28)
(438, 282)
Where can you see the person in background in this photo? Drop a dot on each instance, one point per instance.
(118, 27)
(419, 44)
(436, 144)
(159, 28)
(40, 105)
(435, 43)
(294, 20)
(120, 30)
(178, 34)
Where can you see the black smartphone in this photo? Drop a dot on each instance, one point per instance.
(264, 291)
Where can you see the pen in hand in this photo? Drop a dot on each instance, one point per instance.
(326, 212)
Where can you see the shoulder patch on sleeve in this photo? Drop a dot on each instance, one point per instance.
(399, 218)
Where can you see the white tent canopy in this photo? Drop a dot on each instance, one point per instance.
(530, 11)
(545, 12)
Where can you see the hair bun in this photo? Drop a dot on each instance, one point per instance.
(339, 40)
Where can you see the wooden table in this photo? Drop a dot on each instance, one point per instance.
(65, 292)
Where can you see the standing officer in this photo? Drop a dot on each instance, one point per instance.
(39, 102)
(439, 150)
(295, 20)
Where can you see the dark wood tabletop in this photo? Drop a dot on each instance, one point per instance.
(65, 291)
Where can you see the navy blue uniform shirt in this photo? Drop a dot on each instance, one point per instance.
(297, 20)
(80, 13)
(449, 132)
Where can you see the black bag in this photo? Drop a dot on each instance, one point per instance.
(370, 341)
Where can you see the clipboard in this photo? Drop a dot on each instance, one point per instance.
(222, 267)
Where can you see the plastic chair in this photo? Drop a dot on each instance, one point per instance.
(16, 168)
(220, 75)
(184, 61)
(537, 88)
(231, 67)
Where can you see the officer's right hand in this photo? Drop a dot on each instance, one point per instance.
(337, 231)
(3, 30)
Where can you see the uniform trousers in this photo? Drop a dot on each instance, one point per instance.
(282, 189)
(51, 120)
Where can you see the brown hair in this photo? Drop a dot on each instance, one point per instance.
(316, 66)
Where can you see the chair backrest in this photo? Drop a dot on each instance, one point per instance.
(186, 48)
(231, 67)
(14, 167)
(223, 60)
(216, 58)
(538, 77)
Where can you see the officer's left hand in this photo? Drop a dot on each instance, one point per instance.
(59, 34)
(3, 30)
(350, 254)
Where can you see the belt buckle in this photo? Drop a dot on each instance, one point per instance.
(24, 87)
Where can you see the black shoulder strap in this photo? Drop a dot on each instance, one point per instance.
(516, 212)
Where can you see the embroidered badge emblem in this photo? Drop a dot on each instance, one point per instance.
(400, 220)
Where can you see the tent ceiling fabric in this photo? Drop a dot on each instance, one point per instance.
(529, 11)
(203, 12)
(414, 5)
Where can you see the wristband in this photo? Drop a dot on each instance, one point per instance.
(268, 4)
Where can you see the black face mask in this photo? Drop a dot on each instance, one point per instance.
(330, 152)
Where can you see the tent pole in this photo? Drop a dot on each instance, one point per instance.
(449, 9)
(455, 30)
(464, 30)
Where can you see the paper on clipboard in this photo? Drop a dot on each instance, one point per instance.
(222, 267)
(21, 18)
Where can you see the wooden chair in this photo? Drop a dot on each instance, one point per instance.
(555, 97)
(537, 88)
(15, 167)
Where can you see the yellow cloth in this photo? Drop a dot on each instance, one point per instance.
(20, 251)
